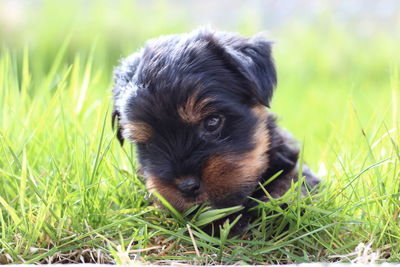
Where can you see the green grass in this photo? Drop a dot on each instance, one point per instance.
(69, 193)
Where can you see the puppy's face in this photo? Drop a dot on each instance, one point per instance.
(195, 107)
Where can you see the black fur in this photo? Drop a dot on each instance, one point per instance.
(236, 73)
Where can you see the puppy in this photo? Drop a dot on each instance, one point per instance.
(195, 105)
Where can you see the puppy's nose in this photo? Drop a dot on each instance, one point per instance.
(189, 186)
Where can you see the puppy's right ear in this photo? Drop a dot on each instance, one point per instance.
(124, 86)
(115, 123)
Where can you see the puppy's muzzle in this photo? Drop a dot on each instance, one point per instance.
(189, 186)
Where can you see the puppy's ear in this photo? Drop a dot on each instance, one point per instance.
(124, 86)
(253, 59)
(115, 123)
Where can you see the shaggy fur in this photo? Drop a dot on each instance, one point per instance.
(195, 105)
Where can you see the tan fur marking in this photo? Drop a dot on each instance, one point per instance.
(225, 174)
(138, 131)
(194, 110)
(257, 159)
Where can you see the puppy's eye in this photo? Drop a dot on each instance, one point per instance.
(212, 123)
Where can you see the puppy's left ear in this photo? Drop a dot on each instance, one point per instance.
(252, 57)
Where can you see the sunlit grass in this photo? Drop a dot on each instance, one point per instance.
(69, 192)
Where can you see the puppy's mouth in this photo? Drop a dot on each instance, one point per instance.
(181, 201)
(191, 197)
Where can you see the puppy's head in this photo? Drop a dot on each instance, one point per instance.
(194, 105)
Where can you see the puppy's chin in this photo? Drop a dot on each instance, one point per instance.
(233, 199)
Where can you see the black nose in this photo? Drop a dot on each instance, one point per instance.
(189, 186)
